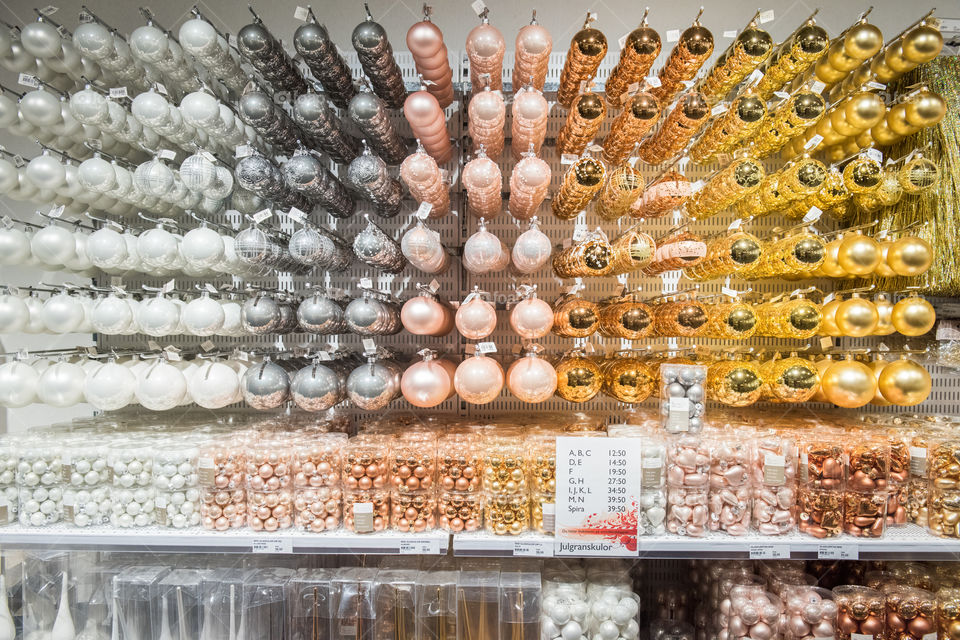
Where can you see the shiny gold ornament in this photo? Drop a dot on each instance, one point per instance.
(897, 121)
(877, 367)
(885, 315)
(641, 113)
(734, 383)
(689, 114)
(918, 175)
(686, 58)
(639, 51)
(858, 254)
(728, 130)
(863, 110)
(574, 317)
(781, 191)
(790, 379)
(797, 318)
(624, 185)
(505, 515)
(680, 318)
(590, 257)
(922, 43)
(883, 269)
(924, 108)
(738, 179)
(734, 252)
(822, 365)
(828, 318)
(750, 49)
(626, 318)
(904, 383)
(913, 316)
(849, 384)
(883, 135)
(792, 58)
(910, 256)
(831, 265)
(856, 317)
(582, 124)
(788, 121)
(580, 184)
(587, 49)
(628, 379)
(578, 378)
(632, 250)
(732, 321)
(862, 174)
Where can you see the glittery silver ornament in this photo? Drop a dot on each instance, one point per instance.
(265, 386)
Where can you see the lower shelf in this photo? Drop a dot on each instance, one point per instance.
(904, 543)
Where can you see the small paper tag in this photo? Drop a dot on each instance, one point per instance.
(673, 35)
(162, 89)
(874, 154)
(533, 548)
(755, 76)
(918, 461)
(369, 346)
(632, 88)
(296, 215)
(568, 158)
(783, 95)
(418, 546)
(839, 551)
(486, 347)
(206, 472)
(826, 342)
(167, 154)
(812, 142)
(262, 215)
(622, 41)
(423, 211)
(170, 286)
(301, 14)
(271, 545)
(817, 86)
(207, 345)
(862, 636)
(118, 92)
(769, 552)
(873, 84)
(735, 225)
(732, 33)
(366, 283)
(696, 187)
(829, 297)
(653, 81)
(49, 10)
(28, 80)
(727, 291)
(363, 512)
(678, 418)
(478, 7)
(718, 109)
(774, 470)
(243, 150)
(766, 16)
(813, 214)
(56, 212)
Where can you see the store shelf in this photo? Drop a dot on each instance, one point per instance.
(155, 539)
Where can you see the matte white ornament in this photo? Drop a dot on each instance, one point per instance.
(110, 386)
(63, 628)
(18, 384)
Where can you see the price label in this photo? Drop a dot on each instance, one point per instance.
(243, 150)
(678, 416)
(766, 16)
(170, 286)
(838, 551)
(653, 81)
(533, 548)
(673, 35)
(874, 154)
(366, 283)
(873, 84)
(727, 291)
(28, 80)
(260, 216)
(301, 14)
(812, 142)
(732, 33)
(718, 109)
(598, 485)
(826, 342)
(818, 86)
(486, 347)
(419, 546)
(49, 10)
(478, 7)
(769, 552)
(774, 470)
(736, 224)
(423, 211)
(783, 95)
(207, 345)
(369, 346)
(813, 214)
(297, 214)
(271, 545)
(755, 76)
(167, 154)
(696, 186)
(363, 517)
(918, 461)
(56, 212)
(568, 158)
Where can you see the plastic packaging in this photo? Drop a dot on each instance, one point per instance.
(682, 397)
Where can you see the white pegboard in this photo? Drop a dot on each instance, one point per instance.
(455, 283)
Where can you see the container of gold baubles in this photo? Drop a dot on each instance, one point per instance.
(587, 49)
(686, 58)
(748, 51)
(793, 57)
(637, 55)
(580, 184)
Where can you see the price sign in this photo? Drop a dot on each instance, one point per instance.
(769, 551)
(272, 545)
(598, 488)
(841, 551)
(533, 548)
(419, 546)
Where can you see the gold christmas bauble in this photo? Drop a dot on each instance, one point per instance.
(889, 192)
(645, 106)
(897, 121)
(698, 40)
(922, 44)
(835, 153)
(850, 147)
(644, 40)
(822, 365)
(883, 269)
(863, 41)
(591, 42)
(629, 380)
(830, 266)
(589, 172)
(734, 383)
(857, 317)
(578, 378)
(885, 314)
(913, 316)
(590, 106)
(827, 73)
(864, 110)
(865, 140)
(918, 175)
(878, 67)
(862, 175)
(883, 134)
(925, 109)
(838, 122)
(858, 254)
(803, 319)
(893, 56)
(793, 380)
(910, 256)
(575, 318)
(838, 59)
(904, 383)
(849, 384)
(877, 367)
(828, 318)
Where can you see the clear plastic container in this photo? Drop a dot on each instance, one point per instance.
(413, 512)
(477, 604)
(774, 462)
(505, 465)
(460, 462)
(413, 463)
(134, 589)
(911, 612)
(821, 462)
(40, 483)
(507, 514)
(688, 513)
(542, 456)
(820, 512)
(264, 599)
(543, 512)
(394, 604)
(682, 397)
(176, 484)
(270, 510)
(730, 509)
(860, 612)
(366, 463)
(9, 498)
(652, 512)
(436, 605)
(865, 513)
(176, 611)
(223, 509)
(222, 597)
(317, 460)
(520, 593)
(688, 462)
(311, 604)
(87, 484)
(868, 463)
(318, 509)
(754, 613)
(269, 466)
(774, 509)
(653, 463)
(366, 511)
(356, 616)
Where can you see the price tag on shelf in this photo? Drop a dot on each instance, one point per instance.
(769, 552)
(766, 16)
(271, 545)
(598, 488)
(297, 215)
(918, 461)
(673, 35)
(873, 84)
(838, 551)
(419, 546)
(118, 92)
(533, 548)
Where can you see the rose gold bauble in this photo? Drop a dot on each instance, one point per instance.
(425, 316)
(427, 383)
(849, 384)
(532, 379)
(478, 380)
(476, 319)
(531, 318)
(904, 383)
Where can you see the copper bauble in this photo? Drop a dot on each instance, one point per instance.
(591, 42)
(590, 107)
(913, 316)
(910, 256)
(575, 318)
(590, 172)
(904, 383)
(698, 40)
(578, 378)
(849, 384)
(877, 367)
(645, 106)
(828, 318)
(857, 317)
(858, 254)
(922, 44)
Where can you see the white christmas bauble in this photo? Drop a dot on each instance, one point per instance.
(81, 261)
(46, 172)
(40, 108)
(9, 112)
(35, 321)
(158, 317)
(14, 246)
(200, 109)
(110, 386)
(40, 39)
(232, 325)
(106, 248)
(94, 40)
(97, 175)
(61, 384)
(158, 248)
(89, 107)
(532, 250)
(149, 44)
(9, 176)
(18, 384)
(14, 313)
(62, 313)
(161, 386)
(202, 246)
(53, 245)
(111, 315)
(215, 385)
(198, 37)
(197, 173)
(203, 316)
(151, 109)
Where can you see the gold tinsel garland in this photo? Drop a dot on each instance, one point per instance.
(939, 208)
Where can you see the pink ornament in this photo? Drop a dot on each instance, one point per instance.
(420, 172)
(487, 115)
(424, 315)
(532, 56)
(485, 48)
(428, 124)
(478, 379)
(422, 247)
(532, 379)
(476, 318)
(529, 183)
(425, 42)
(530, 111)
(531, 318)
(483, 181)
(532, 249)
(484, 252)
(428, 383)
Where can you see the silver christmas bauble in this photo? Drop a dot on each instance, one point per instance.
(321, 314)
(265, 386)
(371, 386)
(260, 315)
(316, 387)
